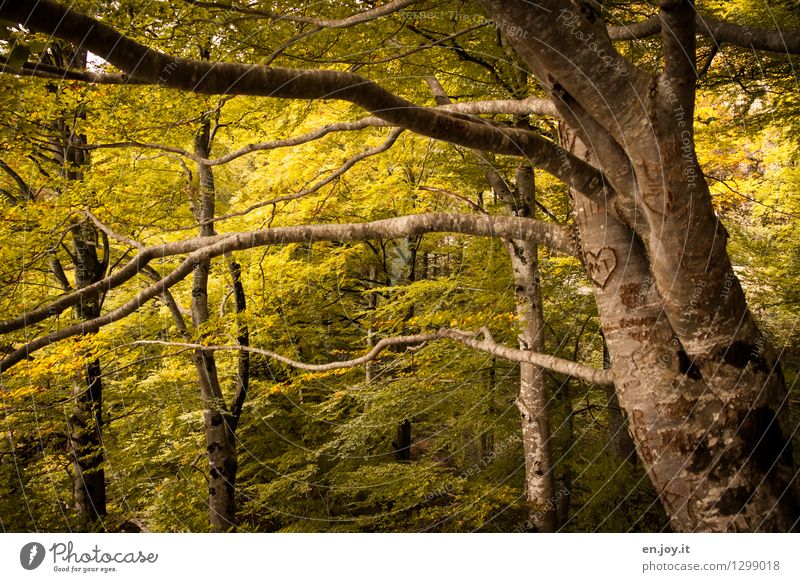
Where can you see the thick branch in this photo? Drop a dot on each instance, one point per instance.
(678, 41)
(566, 43)
(26, 190)
(204, 248)
(473, 340)
(206, 77)
(359, 18)
(765, 39)
(530, 106)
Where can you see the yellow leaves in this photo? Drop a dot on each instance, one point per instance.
(21, 393)
(65, 359)
(309, 376)
(472, 320)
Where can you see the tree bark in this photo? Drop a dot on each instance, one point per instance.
(532, 399)
(85, 420)
(718, 460)
(219, 433)
(618, 438)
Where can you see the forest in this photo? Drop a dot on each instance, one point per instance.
(399, 266)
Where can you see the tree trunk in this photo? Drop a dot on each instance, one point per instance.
(532, 399)
(487, 435)
(219, 431)
(85, 430)
(85, 421)
(402, 270)
(719, 460)
(618, 439)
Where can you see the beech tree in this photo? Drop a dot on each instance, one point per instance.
(700, 387)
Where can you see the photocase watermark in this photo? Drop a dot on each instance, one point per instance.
(31, 555)
(571, 21)
(476, 468)
(66, 558)
(550, 505)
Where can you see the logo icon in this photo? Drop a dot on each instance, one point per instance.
(31, 555)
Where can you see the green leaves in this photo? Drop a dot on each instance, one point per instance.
(18, 56)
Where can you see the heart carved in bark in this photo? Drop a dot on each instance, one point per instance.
(601, 265)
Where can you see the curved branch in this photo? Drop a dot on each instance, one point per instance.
(341, 170)
(359, 18)
(204, 248)
(765, 39)
(249, 148)
(529, 106)
(224, 78)
(473, 340)
(26, 190)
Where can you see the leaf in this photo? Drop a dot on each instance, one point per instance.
(19, 54)
(38, 46)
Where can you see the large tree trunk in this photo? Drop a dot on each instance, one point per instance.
(718, 459)
(618, 439)
(702, 391)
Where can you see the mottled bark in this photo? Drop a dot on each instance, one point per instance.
(85, 432)
(618, 439)
(717, 458)
(219, 433)
(85, 419)
(532, 399)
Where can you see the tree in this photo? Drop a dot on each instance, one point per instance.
(702, 391)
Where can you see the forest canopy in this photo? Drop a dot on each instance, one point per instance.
(408, 266)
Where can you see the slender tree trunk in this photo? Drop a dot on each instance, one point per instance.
(532, 399)
(403, 271)
(85, 430)
(487, 436)
(85, 420)
(372, 304)
(219, 432)
(565, 489)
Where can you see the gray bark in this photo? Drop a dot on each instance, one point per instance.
(219, 433)
(533, 398)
